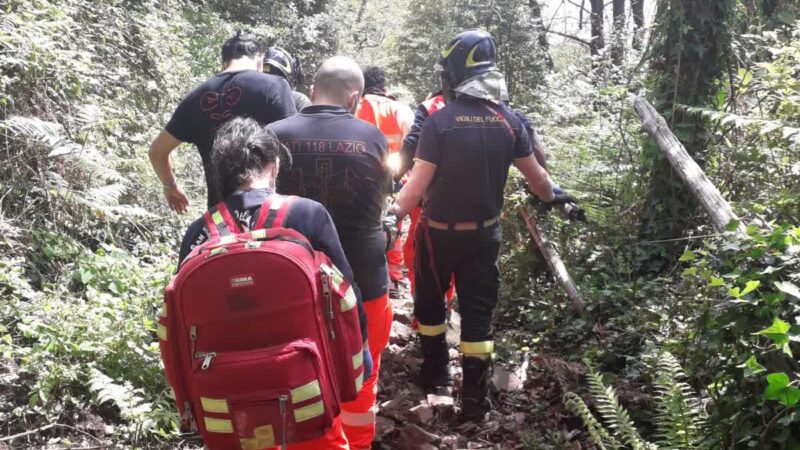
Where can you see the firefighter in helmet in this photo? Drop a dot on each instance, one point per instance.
(278, 61)
(460, 171)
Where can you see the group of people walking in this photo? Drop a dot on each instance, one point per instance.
(333, 160)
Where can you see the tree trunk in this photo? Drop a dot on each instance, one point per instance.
(637, 10)
(687, 169)
(598, 41)
(618, 34)
(557, 266)
(693, 51)
(536, 14)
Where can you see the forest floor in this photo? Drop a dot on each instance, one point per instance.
(527, 411)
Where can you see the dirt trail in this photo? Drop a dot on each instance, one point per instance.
(527, 411)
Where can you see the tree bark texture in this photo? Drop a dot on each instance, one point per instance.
(618, 32)
(637, 10)
(687, 169)
(691, 47)
(598, 40)
(536, 14)
(555, 263)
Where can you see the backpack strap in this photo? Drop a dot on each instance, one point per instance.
(273, 211)
(498, 112)
(219, 221)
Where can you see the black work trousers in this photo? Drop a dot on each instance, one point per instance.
(472, 257)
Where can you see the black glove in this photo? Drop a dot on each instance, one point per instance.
(574, 212)
(389, 222)
(560, 197)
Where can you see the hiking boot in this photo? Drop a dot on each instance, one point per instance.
(435, 371)
(474, 389)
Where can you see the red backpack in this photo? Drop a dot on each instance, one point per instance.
(259, 335)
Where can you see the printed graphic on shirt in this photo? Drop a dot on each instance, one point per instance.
(219, 106)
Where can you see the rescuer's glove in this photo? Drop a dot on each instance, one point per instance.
(389, 222)
(560, 197)
(367, 363)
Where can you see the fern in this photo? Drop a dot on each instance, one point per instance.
(598, 433)
(128, 400)
(680, 419)
(614, 415)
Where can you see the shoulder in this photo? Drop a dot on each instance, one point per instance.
(307, 216)
(261, 80)
(284, 125)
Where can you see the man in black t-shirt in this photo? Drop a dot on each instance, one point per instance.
(461, 166)
(340, 161)
(240, 90)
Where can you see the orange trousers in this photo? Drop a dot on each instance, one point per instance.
(358, 416)
(334, 439)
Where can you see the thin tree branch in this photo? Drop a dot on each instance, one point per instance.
(571, 37)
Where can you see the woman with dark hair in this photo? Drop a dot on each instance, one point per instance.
(246, 161)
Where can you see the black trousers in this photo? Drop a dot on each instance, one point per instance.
(472, 257)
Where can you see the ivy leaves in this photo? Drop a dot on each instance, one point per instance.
(779, 388)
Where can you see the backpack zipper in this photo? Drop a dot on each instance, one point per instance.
(282, 405)
(193, 337)
(326, 291)
(206, 357)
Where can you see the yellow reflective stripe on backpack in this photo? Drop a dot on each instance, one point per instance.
(214, 405)
(358, 360)
(264, 438)
(218, 425)
(217, 218)
(306, 392)
(309, 412)
(161, 331)
(348, 302)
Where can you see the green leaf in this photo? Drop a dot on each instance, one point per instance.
(752, 367)
(751, 286)
(735, 292)
(778, 327)
(690, 271)
(777, 333)
(789, 288)
(733, 225)
(687, 255)
(716, 282)
(86, 276)
(778, 388)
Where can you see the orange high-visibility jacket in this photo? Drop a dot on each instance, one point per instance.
(394, 118)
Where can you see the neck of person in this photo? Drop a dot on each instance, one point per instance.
(240, 64)
(259, 183)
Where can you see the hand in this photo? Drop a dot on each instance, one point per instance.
(176, 198)
(389, 222)
(573, 212)
(367, 363)
(561, 197)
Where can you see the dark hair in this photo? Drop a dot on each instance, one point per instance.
(239, 45)
(242, 149)
(374, 80)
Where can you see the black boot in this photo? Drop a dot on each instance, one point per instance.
(435, 371)
(475, 388)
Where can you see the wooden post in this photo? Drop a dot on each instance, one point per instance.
(554, 262)
(689, 172)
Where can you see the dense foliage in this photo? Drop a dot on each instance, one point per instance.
(704, 328)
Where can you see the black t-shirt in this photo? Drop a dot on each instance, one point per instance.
(340, 161)
(249, 93)
(306, 216)
(472, 142)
